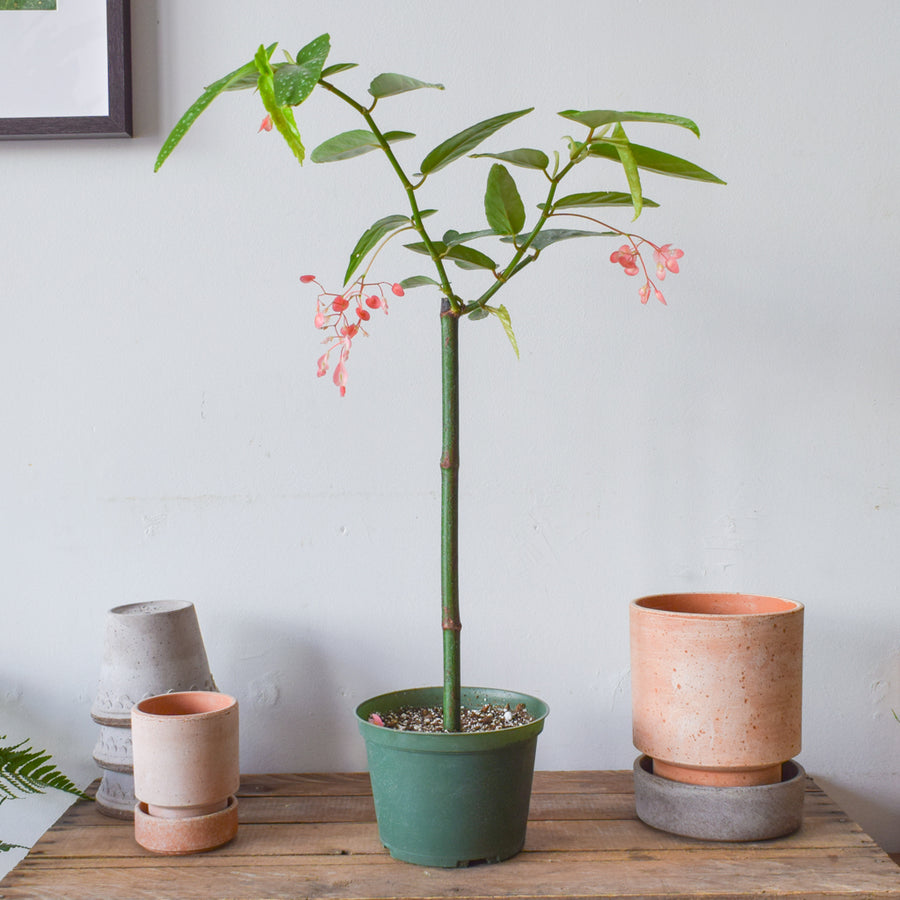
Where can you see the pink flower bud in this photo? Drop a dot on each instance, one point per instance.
(339, 304)
(340, 377)
(266, 125)
(363, 314)
(306, 279)
(397, 290)
(373, 302)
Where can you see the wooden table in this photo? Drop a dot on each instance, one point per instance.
(315, 836)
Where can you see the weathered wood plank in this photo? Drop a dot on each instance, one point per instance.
(524, 877)
(347, 783)
(676, 856)
(291, 838)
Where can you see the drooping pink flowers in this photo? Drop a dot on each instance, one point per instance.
(343, 315)
(629, 258)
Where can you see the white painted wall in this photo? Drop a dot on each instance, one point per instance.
(164, 435)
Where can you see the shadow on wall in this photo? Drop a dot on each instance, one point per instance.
(849, 718)
(295, 714)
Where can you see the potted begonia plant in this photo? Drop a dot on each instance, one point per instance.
(432, 809)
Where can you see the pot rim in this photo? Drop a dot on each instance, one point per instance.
(151, 607)
(448, 740)
(734, 605)
(184, 705)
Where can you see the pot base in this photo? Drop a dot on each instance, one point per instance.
(744, 813)
(721, 777)
(178, 837)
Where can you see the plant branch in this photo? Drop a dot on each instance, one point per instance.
(407, 186)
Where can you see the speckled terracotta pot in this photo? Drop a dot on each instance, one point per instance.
(186, 771)
(716, 685)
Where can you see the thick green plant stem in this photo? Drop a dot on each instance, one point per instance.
(450, 514)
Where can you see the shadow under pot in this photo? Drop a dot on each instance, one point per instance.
(186, 771)
(716, 683)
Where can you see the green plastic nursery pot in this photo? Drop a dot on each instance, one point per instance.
(451, 799)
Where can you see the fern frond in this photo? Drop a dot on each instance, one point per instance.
(24, 770)
(5, 847)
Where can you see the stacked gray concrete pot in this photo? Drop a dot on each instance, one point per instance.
(149, 649)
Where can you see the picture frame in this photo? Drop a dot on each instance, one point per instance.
(67, 119)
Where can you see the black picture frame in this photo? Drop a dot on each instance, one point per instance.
(117, 124)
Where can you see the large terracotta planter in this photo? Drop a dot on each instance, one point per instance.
(716, 682)
(186, 771)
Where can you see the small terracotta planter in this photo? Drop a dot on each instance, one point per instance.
(716, 683)
(186, 771)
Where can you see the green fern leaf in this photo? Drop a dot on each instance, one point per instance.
(24, 770)
(5, 847)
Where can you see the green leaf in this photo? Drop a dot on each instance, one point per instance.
(469, 258)
(478, 313)
(337, 67)
(528, 159)
(657, 161)
(553, 235)
(282, 116)
(415, 281)
(388, 84)
(248, 72)
(452, 237)
(502, 313)
(24, 770)
(464, 257)
(597, 118)
(294, 83)
(4, 847)
(503, 205)
(353, 143)
(420, 247)
(371, 237)
(315, 52)
(460, 144)
(596, 198)
(248, 80)
(623, 150)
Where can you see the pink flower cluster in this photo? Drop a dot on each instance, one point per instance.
(333, 314)
(630, 259)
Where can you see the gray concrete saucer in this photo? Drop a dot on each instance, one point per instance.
(720, 813)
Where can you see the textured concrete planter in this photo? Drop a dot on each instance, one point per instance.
(754, 813)
(716, 683)
(149, 649)
(186, 771)
(451, 799)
